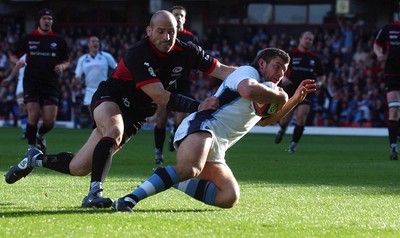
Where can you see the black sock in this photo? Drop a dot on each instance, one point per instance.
(159, 138)
(393, 131)
(102, 152)
(297, 133)
(57, 162)
(44, 129)
(31, 131)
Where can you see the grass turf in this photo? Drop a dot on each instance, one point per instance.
(334, 186)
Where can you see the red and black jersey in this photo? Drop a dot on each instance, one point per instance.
(303, 65)
(43, 53)
(187, 36)
(144, 64)
(389, 39)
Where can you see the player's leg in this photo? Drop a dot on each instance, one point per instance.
(79, 164)
(178, 118)
(190, 160)
(33, 109)
(283, 124)
(49, 119)
(23, 116)
(301, 115)
(393, 98)
(216, 186)
(108, 118)
(159, 134)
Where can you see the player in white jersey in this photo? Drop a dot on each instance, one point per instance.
(94, 67)
(18, 70)
(203, 138)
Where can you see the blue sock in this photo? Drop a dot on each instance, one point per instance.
(202, 190)
(24, 119)
(161, 180)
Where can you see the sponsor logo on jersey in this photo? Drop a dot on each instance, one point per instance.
(126, 102)
(177, 69)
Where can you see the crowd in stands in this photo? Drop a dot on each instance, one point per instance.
(353, 95)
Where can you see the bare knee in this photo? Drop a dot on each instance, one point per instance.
(80, 166)
(187, 172)
(227, 199)
(79, 170)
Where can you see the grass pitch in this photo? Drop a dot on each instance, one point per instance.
(333, 186)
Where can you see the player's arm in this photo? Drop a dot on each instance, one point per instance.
(378, 50)
(222, 71)
(306, 86)
(252, 90)
(59, 68)
(177, 102)
(14, 72)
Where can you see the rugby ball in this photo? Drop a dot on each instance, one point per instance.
(265, 110)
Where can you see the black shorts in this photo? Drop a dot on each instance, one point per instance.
(40, 91)
(107, 93)
(392, 83)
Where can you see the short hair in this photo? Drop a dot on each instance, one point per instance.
(268, 54)
(44, 12)
(161, 13)
(177, 7)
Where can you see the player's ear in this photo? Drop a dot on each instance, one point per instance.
(261, 63)
(148, 31)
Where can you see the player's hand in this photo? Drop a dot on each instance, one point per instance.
(209, 103)
(306, 86)
(4, 83)
(381, 58)
(59, 68)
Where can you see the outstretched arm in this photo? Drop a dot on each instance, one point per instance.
(307, 86)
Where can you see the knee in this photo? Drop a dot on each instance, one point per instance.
(187, 172)
(116, 133)
(229, 200)
(79, 169)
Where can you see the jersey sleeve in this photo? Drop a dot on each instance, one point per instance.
(203, 61)
(63, 54)
(140, 69)
(79, 67)
(381, 37)
(110, 60)
(240, 74)
(21, 48)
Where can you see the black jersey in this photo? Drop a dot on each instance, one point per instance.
(144, 64)
(187, 36)
(389, 38)
(303, 65)
(43, 53)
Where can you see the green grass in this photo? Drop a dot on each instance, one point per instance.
(333, 186)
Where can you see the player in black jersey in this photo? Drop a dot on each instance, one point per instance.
(124, 101)
(182, 86)
(387, 48)
(47, 57)
(304, 64)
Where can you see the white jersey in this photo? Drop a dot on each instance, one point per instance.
(20, 86)
(95, 70)
(230, 122)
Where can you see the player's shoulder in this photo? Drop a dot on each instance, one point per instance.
(106, 54)
(244, 72)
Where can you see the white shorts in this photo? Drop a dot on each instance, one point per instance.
(88, 96)
(219, 143)
(20, 87)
